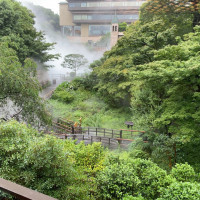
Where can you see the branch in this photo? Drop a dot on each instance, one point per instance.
(16, 114)
(3, 119)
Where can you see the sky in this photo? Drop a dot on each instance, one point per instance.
(52, 4)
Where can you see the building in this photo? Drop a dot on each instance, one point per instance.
(87, 20)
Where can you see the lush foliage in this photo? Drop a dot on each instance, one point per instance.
(66, 170)
(19, 88)
(122, 27)
(154, 69)
(175, 8)
(37, 162)
(73, 101)
(17, 28)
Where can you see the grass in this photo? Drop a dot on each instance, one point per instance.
(93, 111)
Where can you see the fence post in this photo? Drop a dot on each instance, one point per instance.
(119, 141)
(72, 130)
(91, 140)
(88, 131)
(96, 131)
(74, 137)
(120, 133)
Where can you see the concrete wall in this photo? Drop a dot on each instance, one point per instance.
(65, 15)
(84, 30)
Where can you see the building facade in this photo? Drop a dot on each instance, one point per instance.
(88, 20)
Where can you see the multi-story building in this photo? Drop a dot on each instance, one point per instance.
(88, 20)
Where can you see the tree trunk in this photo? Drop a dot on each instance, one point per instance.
(196, 20)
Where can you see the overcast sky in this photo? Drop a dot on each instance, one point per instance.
(52, 4)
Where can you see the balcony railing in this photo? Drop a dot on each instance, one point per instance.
(22, 193)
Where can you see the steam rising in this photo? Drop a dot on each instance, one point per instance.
(62, 46)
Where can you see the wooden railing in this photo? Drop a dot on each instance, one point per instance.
(111, 133)
(20, 192)
(65, 129)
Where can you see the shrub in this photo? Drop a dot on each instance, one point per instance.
(133, 198)
(181, 191)
(183, 172)
(152, 178)
(89, 157)
(116, 181)
(63, 96)
(132, 177)
(34, 161)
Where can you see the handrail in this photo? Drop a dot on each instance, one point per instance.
(21, 192)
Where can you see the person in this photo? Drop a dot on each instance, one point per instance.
(75, 124)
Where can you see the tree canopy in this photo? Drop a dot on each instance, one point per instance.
(17, 27)
(153, 69)
(174, 7)
(19, 88)
(74, 61)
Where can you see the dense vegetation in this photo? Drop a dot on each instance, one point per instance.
(20, 43)
(151, 76)
(154, 70)
(73, 101)
(65, 170)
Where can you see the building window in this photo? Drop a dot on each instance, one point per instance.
(67, 30)
(95, 30)
(106, 4)
(105, 17)
(77, 30)
(83, 4)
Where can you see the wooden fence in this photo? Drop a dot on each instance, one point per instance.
(65, 129)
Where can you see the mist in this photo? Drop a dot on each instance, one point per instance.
(62, 46)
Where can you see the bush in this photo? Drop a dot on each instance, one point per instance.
(183, 172)
(181, 191)
(133, 198)
(34, 161)
(132, 177)
(63, 96)
(152, 178)
(116, 181)
(88, 157)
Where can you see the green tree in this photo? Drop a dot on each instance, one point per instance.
(166, 91)
(20, 88)
(175, 7)
(74, 61)
(35, 161)
(181, 190)
(122, 27)
(17, 24)
(136, 47)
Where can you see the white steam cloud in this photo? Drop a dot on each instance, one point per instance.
(62, 46)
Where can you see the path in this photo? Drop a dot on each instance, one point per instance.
(111, 138)
(55, 80)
